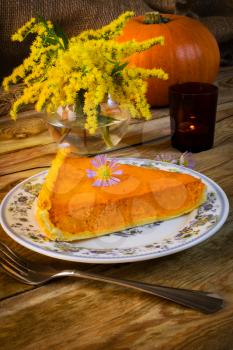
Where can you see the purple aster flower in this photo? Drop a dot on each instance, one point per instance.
(185, 159)
(167, 157)
(91, 173)
(104, 171)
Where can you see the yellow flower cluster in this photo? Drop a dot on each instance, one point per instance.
(92, 62)
(107, 32)
(20, 35)
(42, 55)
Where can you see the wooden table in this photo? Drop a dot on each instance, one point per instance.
(80, 314)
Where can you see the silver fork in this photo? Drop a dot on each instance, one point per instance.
(35, 274)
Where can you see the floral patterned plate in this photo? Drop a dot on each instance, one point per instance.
(140, 243)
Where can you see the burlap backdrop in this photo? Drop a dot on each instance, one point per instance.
(77, 15)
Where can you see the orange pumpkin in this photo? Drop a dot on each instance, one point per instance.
(190, 51)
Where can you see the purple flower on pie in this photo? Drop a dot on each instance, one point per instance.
(185, 159)
(104, 171)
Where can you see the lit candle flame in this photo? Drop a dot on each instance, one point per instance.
(192, 127)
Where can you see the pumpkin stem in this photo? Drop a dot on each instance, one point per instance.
(154, 18)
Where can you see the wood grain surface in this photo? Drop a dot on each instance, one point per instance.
(80, 314)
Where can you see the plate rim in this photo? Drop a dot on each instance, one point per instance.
(126, 259)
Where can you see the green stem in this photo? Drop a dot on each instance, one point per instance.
(154, 18)
(106, 137)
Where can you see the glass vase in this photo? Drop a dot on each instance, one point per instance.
(67, 128)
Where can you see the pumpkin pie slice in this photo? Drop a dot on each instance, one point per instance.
(89, 197)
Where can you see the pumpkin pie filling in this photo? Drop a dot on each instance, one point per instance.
(70, 208)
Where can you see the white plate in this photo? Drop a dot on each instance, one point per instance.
(135, 244)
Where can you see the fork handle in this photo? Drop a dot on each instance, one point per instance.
(202, 301)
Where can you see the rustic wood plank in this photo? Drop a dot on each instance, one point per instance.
(33, 157)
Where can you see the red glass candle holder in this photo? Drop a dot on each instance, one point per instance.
(193, 113)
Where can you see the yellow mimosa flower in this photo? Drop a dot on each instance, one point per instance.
(92, 63)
